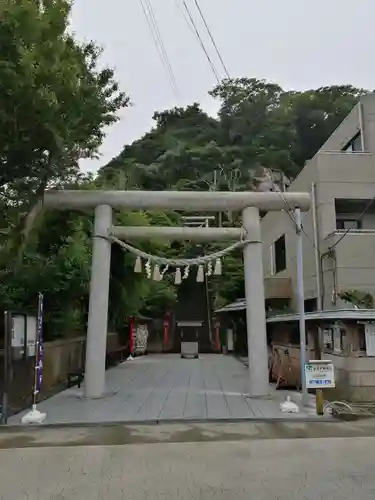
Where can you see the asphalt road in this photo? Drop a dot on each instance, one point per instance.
(219, 461)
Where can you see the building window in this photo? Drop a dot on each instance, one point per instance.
(334, 339)
(328, 339)
(278, 255)
(311, 305)
(338, 339)
(346, 224)
(354, 145)
(370, 339)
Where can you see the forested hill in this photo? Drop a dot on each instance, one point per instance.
(57, 100)
(258, 124)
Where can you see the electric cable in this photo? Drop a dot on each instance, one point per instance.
(200, 40)
(366, 209)
(186, 19)
(149, 15)
(160, 38)
(212, 38)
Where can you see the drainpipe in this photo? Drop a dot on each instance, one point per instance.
(361, 127)
(318, 269)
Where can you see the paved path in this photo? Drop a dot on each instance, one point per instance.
(282, 469)
(165, 387)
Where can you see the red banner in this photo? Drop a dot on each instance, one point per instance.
(131, 334)
(217, 335)
(166, 329)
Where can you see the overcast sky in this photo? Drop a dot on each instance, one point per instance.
(298, 44)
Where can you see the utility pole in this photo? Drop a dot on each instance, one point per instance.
(301, 305)
(208, 301)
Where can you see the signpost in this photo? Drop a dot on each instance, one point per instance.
(319, 375)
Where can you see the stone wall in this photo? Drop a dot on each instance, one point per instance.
(60, 358)
(355, 378)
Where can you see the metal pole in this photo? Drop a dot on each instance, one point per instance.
(301, 305)
(209, 324)
(316, 248)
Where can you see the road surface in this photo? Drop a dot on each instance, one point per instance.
(205, 461)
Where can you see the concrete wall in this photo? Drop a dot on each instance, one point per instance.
(355, 377)
(276, 224)
(345, 176)
(336, 174)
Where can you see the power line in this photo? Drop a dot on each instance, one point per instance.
(160, 38)
(162, 47)
(201, 42)
(183, 14)
(290, 212)
(212, 38)
(159, 43)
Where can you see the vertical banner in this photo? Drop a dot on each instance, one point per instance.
(39, 348)
(131, 335)
(166, 331)
(35, 416)
(217, 336)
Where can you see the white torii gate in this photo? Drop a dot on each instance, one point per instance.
(105, 201)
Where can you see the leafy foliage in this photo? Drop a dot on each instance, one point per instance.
(258, 125)
(359, 299)
(55, 102)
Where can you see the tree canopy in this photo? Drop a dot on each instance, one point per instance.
(56, 100)
(258, 125)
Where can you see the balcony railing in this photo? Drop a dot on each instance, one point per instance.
(336, 235)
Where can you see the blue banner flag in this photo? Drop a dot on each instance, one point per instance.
(39, 351)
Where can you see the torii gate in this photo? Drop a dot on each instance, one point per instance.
(105, 201)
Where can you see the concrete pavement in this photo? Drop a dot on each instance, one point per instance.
(183, 432)
(238, 460)
(165, 388)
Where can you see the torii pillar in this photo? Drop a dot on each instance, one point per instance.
(248, 202)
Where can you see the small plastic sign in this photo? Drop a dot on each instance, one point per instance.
(320, 375)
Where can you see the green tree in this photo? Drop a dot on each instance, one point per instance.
(315, 114)
(55, 101)
(259, 124)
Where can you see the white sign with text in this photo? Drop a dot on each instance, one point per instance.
(320, 375)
